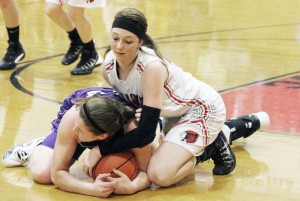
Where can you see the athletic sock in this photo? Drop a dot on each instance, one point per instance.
(74, 36)
(90, 46)
(13, 34)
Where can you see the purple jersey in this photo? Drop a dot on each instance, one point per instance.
(67, 104)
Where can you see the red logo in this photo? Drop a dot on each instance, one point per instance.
(189, 136)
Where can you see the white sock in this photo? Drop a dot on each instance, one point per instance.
(264, 119)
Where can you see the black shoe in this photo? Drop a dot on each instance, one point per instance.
(72, 54)
(14, 54)
(222, 155)
(89, 60)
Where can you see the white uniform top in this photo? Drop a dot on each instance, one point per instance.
(184, 96)
(80, 3)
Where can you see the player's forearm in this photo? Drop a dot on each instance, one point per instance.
(141, 182)
(67, 182)
(141, 136)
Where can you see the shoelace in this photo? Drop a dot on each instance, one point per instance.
(86, 62)
(88, 65)
(73, 50)
(222, 155)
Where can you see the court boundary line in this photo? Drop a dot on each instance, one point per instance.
(257, 82)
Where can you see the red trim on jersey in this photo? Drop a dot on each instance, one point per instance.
(202, 122)
(182, 122)
(140, 67)
(177, 100)
(109, 66)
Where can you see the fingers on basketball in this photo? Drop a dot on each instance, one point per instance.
(125, 162)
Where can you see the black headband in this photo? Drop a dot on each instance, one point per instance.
(92, 122)
(129, 25)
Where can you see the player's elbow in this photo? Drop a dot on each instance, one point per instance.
(55, 177)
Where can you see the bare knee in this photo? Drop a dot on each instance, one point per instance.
(40, 164)
(160, 176)
(3, 3)
(76, 14)
(41, 175)
(52, 9)
(168, 167)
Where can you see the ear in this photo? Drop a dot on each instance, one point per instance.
(141, 42)
(103, 136)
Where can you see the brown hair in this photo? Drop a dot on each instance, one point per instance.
(106, 113)
(138, 17)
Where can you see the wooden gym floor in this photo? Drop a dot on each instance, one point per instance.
(247, 50)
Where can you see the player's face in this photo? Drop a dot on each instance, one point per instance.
(124, 44)
(82, 131)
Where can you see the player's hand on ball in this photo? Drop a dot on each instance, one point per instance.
(123, 185)
(91, 160)
(103, 188)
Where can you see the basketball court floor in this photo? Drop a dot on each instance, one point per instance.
(249, 51)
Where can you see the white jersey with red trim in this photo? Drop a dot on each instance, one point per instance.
(181, 90)
(80, 3)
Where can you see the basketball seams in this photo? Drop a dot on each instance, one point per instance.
(126, 162)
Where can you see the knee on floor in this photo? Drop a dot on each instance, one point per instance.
(160, 177)
(40, 175)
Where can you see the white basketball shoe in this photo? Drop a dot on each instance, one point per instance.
(19, 155)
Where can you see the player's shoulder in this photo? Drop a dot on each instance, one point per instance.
(68, 120)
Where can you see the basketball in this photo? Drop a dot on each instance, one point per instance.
(125, 162)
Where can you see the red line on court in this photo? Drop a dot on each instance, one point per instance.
(280, 98)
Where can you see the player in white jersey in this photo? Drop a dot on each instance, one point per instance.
(184, 96)
(79, 30)
(194, 112)
(15, 51)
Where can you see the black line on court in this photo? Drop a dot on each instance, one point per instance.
(257, 82)
(226, 39)
(15, 82)
(228, 30)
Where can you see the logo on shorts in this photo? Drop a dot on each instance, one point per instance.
(189, 136)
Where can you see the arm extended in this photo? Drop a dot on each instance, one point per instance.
(62, 160)
(139, 137)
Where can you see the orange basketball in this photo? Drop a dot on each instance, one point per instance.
(125, 162)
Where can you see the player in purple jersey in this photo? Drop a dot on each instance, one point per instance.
(87, 117)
